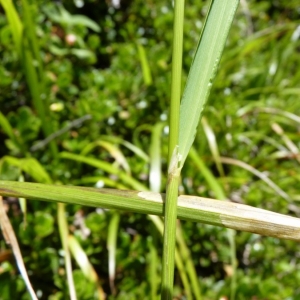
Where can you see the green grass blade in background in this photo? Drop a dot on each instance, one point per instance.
(262, 176)
(112, 234)
(219, 194)
(136, 150)
(271, 111)
(125, 178)
(113, 150)
(64, 233)
(23, 205)
(14, 22)
(37, 94)
(188, 263)
(7, 128)
(144, 64)
(153, 262)
(85, 265)
(30, 28)
(183, 275)
(100, 181)
(35, 72)
(30, 166)
(155, 158)
(213, 146)
(65, 17)
(203, 70)
(231, 234)
(294, 150)
(210, 179)
(10, 238)
(28, 51)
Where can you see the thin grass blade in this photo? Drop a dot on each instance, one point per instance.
(153, 277)
(64, 233)
(11, 239)
(188, 263)
(288, 142)
(112, 149)
(14, 22)
(112, 234)
(31, 166)
(125, 178)
(212, 143)
(220, 194)
(210, 179)
(144, 64)
(262, 176)
(136, 150)
(84, 264)
(155, 158)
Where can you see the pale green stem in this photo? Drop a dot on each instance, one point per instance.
(173, 175)
(176, 75)
(169, 238)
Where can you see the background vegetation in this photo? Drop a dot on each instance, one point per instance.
(103, 74)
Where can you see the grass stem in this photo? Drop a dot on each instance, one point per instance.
(173, 173)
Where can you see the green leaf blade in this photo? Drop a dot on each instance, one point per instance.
(197, 209)
(203, 70)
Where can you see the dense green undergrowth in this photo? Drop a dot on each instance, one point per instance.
(106, 78)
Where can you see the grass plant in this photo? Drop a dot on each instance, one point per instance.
(105, 159)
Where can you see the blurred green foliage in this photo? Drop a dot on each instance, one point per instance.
(91, 54)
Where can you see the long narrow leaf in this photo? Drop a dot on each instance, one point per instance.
(144, 64)
(203, 70)
(125, 178)
(112, 235)
(85, 265)
(10, 237)
(262, 176)
(14, 22)
(64, 233)
(219, 192)
(31, 166)
(192, 208)
(155, 158)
